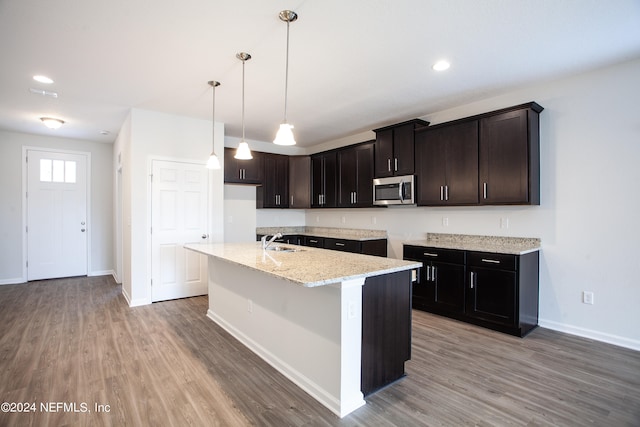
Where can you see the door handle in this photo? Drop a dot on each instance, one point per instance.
(205, 236)
(83, 230)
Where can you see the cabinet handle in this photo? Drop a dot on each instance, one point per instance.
(446, 192)
(429, 254)
(484, 190)
(313, 241)
(389, 164)
(395, 163)
(339, 244)
(428, 273)
(355, 197)
(433, 273)
(292, 201)
(492, 261)
(239, 173)
(442, 192)
(473, 276)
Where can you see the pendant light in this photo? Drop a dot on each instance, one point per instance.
(243, 152)
(213, 162)
(285, 135)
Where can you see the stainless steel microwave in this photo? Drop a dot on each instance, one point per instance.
(395, 190)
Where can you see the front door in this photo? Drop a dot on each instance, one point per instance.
(56, 215)
(179, 200)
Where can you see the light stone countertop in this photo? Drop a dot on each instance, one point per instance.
(327, 232)
(492, 244)
(309, 267)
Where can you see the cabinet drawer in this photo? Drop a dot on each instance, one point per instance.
(491, 260)
(342, 245)
(316, 242)
(452, 256)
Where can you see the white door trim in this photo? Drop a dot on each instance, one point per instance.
(148, 247)
(25, 149)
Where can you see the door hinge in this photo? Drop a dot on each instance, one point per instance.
(151, 176)
(26, 229)
(151, 230)
(151, 282)
(27, 264)
(26, 159)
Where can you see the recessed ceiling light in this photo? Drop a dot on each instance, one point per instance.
(52, 123)
(43, 79)
(441, 65)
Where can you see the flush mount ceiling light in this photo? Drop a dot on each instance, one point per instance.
(43, 79)
(285, 135)
(49, 93)
(52, 123)
(243, 152)
(213, 162)
(441, 65)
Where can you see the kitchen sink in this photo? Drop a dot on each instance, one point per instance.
(283, 249)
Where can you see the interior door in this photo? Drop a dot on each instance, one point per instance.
(179, 194)
(56, 215)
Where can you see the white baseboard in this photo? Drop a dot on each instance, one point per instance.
(317, 392)
(14, 281)
(101, 273)
(591, 334)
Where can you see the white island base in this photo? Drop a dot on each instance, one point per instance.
(312, 335)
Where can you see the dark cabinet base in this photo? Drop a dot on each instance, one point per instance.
(495, 291)
(386, 329)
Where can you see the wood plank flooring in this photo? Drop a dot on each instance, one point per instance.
(76, 341)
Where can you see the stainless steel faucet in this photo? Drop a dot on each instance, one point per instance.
(265, 243)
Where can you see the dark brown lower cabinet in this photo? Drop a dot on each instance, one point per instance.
(496, 291)
(386, 329)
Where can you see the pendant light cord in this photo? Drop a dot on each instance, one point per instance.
(243, 61)
(286, 76)
(213, 121)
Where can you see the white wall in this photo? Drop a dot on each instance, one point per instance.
(11, 215)
(163, 136)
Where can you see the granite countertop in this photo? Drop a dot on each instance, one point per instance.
(308, 267)
(492, 244)
(328, 232)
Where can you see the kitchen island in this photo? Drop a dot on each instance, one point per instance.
(336, 324)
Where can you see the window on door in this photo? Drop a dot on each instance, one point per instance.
(52, 170)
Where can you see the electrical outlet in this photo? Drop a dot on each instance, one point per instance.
(504, 222)
(445, 221)
(587, 297)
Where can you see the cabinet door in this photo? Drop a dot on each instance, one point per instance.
(504, 158)
(347, 177)
(462, 164)
(275, 186)
(317, 180)
(242, 171)
(364, 175)
(330, 180)
(384, 153)
(253, 168)
(448, 287)
(299, 182)
(431, 155)
(491, 295)
(403, 147)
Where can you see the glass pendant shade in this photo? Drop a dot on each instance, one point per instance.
(213, 162)
(285, 135)
(243, 152)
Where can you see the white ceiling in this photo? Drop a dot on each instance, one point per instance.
(354, 65)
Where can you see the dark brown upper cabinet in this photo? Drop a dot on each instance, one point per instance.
(355, 175)
(274, 192)
(509, 156)
(242, 171)
(323, 180)
(299, 182)
(394, 148)
(447, 164)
